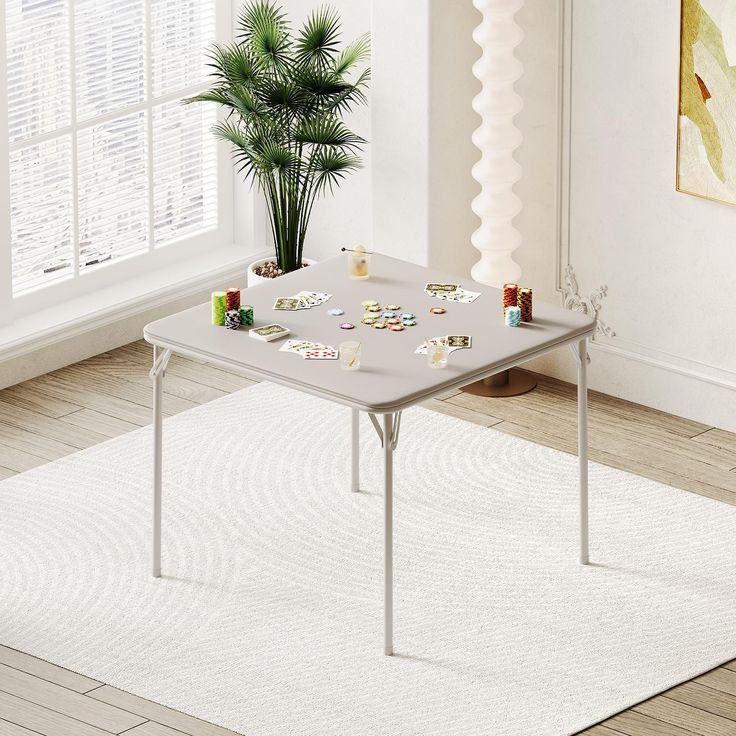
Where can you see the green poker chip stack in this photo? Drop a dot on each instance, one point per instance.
(246, 314)
(219, 307)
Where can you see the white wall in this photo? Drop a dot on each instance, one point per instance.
(665, 257)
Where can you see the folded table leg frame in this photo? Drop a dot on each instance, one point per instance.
(388, 432)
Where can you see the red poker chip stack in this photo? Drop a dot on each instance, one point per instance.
(232, 299)
(510, 296)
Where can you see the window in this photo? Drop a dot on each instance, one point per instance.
(105, 164)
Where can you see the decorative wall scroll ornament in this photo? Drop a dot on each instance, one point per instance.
(590, 305)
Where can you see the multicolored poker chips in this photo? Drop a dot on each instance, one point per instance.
(387, 317)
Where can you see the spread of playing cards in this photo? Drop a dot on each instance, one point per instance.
(309, 350)
(451, 293)
(302, 300)
(453, 342)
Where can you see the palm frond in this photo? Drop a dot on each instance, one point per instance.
(264, 30)
(353, 54)
(319, 82)
(220, 96)
(327, 131)
(319, 37)
(331, 167)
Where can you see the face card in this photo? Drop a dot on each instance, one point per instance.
(286, 303)
(314, 298)
(459, 341)
(440, 288)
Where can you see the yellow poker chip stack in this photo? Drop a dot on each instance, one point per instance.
(525, 304)
(219, 307)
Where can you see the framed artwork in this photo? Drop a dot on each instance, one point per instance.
(706, 129)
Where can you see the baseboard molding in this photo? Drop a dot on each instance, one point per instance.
(108, 328)
(664, 385)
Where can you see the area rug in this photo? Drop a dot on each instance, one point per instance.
(268, 619)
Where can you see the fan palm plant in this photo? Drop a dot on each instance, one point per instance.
(285, 95)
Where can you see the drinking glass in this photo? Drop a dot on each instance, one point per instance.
(359, 264)
(350, 356)
(437, 353)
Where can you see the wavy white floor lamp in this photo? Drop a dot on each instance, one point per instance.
(497, 138)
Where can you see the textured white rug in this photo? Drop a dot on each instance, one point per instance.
(268, 620)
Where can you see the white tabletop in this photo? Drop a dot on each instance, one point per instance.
(391, 377)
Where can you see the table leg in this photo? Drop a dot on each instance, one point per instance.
(583, 447)
(388, 534)
(355, 452)
(158, 379)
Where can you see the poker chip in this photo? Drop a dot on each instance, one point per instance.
(396, 328)
(219, 307)
(371, 315)
(408, 322)
(389, 314)
(374, 308)
(510, 296)
(246, 314)
(393, 307)
(369, 303)
(232, 319)
(525, 304)
(407, 315)
(346, 326)
(380, 325)
(368, 320)
(232, 297)
(393, 321)
(335, 312)
(437, 310)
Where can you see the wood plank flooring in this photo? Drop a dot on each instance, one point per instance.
(105, 396)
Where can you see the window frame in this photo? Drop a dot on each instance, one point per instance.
(154, 258)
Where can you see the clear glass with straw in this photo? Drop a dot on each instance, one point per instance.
(350, 356)
(359, 263)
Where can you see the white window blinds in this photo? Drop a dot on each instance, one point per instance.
(105, 161)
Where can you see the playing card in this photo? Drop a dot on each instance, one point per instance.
(325, 353)
(461, 295)
(459, 341)
(269, 332)
(314, 298)
(422, 349)
(290, 304)
(293, 346)
(431, 288)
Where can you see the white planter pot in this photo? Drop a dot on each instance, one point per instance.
(254, 278)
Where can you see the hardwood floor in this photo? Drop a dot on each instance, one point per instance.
(108, 395)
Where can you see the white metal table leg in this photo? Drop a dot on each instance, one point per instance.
(388, 534)
(158, 379)
(583, 447)
(355, 452)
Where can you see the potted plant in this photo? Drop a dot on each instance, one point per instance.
(285, 95)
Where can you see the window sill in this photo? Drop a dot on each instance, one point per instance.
(128, 298)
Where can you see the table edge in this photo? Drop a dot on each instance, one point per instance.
(390, 408)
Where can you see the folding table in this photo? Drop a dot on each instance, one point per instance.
(391, 377)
